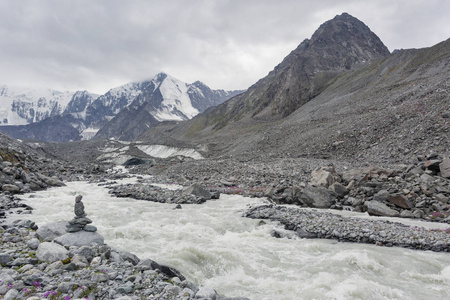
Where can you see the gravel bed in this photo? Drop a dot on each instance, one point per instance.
(316, 224)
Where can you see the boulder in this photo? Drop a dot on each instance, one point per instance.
(79, 261)
(51, 252)
(80, 238)
(51, 231)
(407, 214)
(85, 251)
(444, 166)
(25, 224)
(50, 180)
(4, 258)
(323, 176)
(198, 191)
(426, 178)
(127, 256)
(339, 189)
(318, 197)
(358, 174)
(11, 294)
(381, 196)
(401, 201)
(380, 209)
(10, 188)
(33, 243)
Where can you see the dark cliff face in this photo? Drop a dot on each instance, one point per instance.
(80, 101)
(55, 129)
(338, 45)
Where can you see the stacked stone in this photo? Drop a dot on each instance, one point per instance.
(80, 221)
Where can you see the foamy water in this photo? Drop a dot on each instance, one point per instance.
(212, 245)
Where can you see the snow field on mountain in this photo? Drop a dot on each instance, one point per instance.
(41, 101)
(162, 151)
(176, 98)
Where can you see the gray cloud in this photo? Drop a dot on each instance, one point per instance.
(230, 44)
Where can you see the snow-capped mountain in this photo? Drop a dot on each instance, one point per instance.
(162, 98)
(21, 105)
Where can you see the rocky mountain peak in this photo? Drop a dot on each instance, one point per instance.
(347, 33)
(339, 44)
(160, 77)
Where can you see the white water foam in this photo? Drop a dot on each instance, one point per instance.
(213, 245)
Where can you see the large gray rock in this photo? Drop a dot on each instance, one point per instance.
(50, 180)
(357, 174)
(380, 209)
(51, 252)
(407, 214)
(381, 196)
(51, 231)
(85, 251)
(129, 257)
(318, 197)
(401, 201)
(444, 166)
(197, 190)
(10, 188)
(323, 176)
(4, 258)
(33, 243)
(80, 238)
(11, 294)
(339, 189)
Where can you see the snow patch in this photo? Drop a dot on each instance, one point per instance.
(176, 100)
(162, 151)
(88, 133)
(114, 155)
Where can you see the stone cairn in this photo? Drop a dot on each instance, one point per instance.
(81, 221)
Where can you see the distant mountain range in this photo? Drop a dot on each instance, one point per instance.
(54, 116)
(21, 106)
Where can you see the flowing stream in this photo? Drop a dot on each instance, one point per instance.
(212, 245)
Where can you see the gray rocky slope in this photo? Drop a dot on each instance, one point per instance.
(383, 111)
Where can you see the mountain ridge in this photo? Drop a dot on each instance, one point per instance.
(165, 98)
(338, 45)
(328, 124)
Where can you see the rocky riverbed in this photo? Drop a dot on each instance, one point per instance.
(420, 190)
(33, 266)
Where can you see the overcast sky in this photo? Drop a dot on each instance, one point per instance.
(229, 44)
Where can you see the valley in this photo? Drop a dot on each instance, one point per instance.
(329, 177)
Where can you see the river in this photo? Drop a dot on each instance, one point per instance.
(212, 245)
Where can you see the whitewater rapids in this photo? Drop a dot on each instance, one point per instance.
(212, 245)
